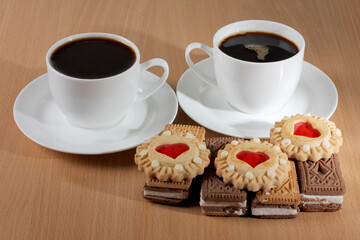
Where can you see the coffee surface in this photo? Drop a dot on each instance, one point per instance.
(258, 47)
(91, 58)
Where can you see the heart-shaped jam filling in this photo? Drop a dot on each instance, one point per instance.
(172, 150)
(306, 129)
(252, 158)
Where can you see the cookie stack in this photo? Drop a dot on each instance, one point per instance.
(255, 168)
(296, 169)
(313, 143)
(171, 161)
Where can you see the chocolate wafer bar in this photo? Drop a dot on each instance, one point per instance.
(216, 197)
(321, 185)
(281, 202)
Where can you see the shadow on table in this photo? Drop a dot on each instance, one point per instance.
(116, 174)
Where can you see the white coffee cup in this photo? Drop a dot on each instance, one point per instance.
(102, 102)
(252, 87)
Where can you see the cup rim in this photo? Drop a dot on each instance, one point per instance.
(71, 38)
(301, 49)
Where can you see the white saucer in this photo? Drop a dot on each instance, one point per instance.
(40, 119)
(316, 94)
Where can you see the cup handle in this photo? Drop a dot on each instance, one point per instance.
(146, 65)
(209, 80)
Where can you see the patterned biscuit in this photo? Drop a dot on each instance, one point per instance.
(321, 178)
(218, 198)
(252, 174)
(288, 193)
(184, 184)
(181, 129)
(321, 185)
(214, 189)
(321, 140)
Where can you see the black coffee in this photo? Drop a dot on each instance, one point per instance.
(91, 58)
(258, 47)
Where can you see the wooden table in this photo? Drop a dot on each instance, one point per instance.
(51, 195)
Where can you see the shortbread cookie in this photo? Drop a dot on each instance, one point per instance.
(186, 130)
(281, 202)
(184, 184)
(306, 137)
(179, 153)
(252, 165)
(321, 185)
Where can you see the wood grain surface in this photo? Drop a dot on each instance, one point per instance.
(51, 195)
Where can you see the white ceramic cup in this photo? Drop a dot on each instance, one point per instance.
(102, 102)
(252, 87)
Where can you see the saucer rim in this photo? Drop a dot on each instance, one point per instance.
(63, 150)
(331, 112)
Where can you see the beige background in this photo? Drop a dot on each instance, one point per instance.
(51, 195)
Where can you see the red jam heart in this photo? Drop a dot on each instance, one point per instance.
(306, 129)
(252, 158)
(172, 150)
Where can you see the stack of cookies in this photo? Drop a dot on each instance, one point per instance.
(171, 161)
(313, 143)
(296, 169)
(256, 169)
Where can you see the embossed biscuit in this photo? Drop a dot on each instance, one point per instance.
(321, 178)
(220, 199)
(181, 129)
(216, 197)
(278, 203)
(214, 189)
(184, 184)
(288, 193)
(321, 185)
